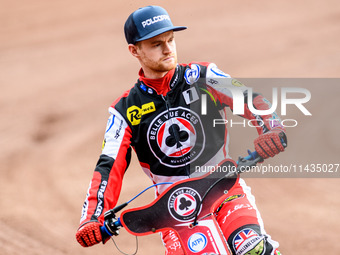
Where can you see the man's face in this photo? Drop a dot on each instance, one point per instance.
(157, 55)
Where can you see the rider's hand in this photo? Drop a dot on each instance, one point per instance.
(270, 143)
(89, 234)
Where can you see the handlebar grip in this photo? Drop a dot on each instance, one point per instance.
(251, 155)
(110, 228)
(105, 232)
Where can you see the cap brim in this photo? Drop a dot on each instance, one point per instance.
(161, 31)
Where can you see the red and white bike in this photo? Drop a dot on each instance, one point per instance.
(187, 207)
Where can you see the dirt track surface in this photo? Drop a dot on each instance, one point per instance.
(62, 63)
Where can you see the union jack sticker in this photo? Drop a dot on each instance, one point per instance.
(248, 241)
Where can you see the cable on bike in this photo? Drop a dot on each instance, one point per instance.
(116, 209)
(124, 252)
(154, 185)
(111, 214)
(206, 193)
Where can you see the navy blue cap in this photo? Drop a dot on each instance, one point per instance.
(148, 22)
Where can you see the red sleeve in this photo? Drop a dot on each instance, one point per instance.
(106, 183)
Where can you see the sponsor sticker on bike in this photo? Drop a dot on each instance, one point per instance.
(248, 241)
(183, 204)
(229, 199)
(197, 242)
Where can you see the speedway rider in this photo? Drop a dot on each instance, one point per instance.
(160, 117)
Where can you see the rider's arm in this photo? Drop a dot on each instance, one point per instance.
(268, 126)
(105, 186)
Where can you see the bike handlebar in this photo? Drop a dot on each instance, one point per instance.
(110, 228)
(111, 224)
(251, 155)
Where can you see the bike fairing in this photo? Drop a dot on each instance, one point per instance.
(176, 133)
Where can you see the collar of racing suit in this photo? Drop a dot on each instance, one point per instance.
(162, 85)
